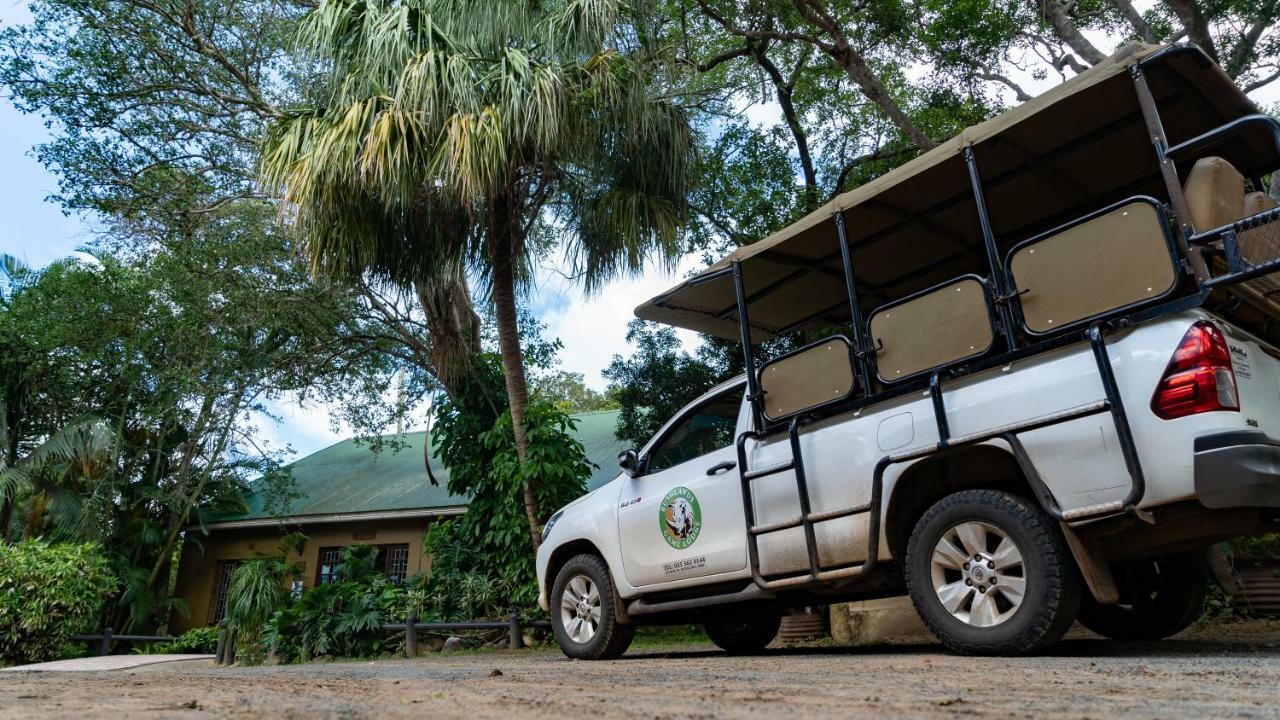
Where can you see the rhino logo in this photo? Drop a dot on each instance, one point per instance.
(680, 518)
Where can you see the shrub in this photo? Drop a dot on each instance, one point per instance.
(198, 641)
(1258, 548)
(47, 593)
(343, 618)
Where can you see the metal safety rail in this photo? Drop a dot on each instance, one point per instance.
(1005, 311)
(1111, 403)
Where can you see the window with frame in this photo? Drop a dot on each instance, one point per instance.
(391, 560)
(221, 583)
(707, 428)
(327, 565)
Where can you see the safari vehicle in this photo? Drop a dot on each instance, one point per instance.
(1051, 382)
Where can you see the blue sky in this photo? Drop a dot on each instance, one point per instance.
(30, 228)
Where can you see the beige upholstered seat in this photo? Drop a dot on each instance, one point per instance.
(1216, 197)
(938, 328)
(1261, 243)
(1215, 193)
(819, 375)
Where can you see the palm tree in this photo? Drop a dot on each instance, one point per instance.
(65, 475)
(474, 135)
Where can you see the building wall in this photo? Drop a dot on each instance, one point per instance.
(198, 567)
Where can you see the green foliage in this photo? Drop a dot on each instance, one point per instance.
(657, 380)
(481, 565)
(136, 425)
(1258, 548)
(196, 641)
(343, 618)
(48, 592)
(569, 392)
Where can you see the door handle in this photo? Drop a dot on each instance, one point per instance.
(721, 467)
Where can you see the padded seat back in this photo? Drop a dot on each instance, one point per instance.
(1215, 193)
(1111, 261)
(814, 376)
(1262, 243)
(940, 327)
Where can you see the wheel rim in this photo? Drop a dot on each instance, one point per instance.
(978, 574)
(580, 609)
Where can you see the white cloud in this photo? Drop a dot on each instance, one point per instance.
(593, 329)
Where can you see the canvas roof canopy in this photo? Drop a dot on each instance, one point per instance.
(1076, 148)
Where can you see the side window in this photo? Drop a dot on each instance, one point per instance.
(707, 428)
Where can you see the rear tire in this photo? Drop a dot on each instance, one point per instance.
(744, 634)
(990, 574)
(1159, 598)
(583, 617)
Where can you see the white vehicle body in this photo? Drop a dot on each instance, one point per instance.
(1079, 461)
(1042, 390)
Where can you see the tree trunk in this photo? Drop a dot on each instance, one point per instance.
(860, 73)
(1197, 27)
(1055, 13)
(455, 332)
(1136, 21)
(785, 90)
(502, 250)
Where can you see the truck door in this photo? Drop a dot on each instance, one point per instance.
(682, 518)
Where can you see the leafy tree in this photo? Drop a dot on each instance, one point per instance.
(657, 380)
(975, 41)
(451, 137)
(570, 394)
(157, 109)
(143, 419)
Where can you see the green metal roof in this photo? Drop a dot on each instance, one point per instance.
(351, 478)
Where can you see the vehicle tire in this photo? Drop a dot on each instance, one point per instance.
(1158, 598)
(991, 574)
(582, 611)
(744, 634)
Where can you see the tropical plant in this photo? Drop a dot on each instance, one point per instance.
(199, 641)
(48, 593)
(65, 474)
(480, 561)
(342, 618)
(470, 135)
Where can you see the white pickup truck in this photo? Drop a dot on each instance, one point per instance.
(1029, 422)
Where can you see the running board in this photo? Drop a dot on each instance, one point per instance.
(747, 594)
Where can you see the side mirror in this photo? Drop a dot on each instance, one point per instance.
(629, 461)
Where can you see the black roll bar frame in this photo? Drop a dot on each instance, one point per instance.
(1004, 309)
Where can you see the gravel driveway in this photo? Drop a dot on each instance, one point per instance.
(1221, 671)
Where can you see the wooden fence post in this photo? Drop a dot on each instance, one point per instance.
(515, 638)
(229, 655)
(221, 651)
(411, 635)
(104, 647)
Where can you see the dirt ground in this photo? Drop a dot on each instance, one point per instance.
(1211, 672)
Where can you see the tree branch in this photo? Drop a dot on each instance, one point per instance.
(1055, 13)
(1197, 26)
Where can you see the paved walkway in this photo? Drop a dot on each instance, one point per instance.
(107, 662)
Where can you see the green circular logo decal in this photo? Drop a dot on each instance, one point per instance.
(680, 518)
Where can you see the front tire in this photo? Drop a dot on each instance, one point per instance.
(744, 634)
(1159, 598)
(990, 574)
(583, 617)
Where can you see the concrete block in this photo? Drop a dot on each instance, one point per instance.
(887, 621)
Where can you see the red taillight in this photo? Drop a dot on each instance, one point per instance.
(1199, 377)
